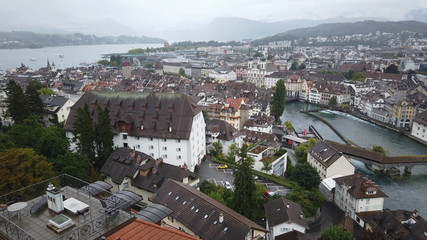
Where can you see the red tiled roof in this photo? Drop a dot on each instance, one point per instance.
(139, 229)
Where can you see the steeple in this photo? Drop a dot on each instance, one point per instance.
(48, 65)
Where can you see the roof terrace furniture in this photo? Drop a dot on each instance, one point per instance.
(39, 206)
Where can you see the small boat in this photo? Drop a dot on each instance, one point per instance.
(61, 55)
(32, 59)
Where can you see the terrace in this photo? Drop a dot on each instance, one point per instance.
(92, 209)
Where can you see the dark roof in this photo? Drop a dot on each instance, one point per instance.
(254, 136)
(201, 214)
(324, 153)
(295, 235)
(226, 131)
(125, 162)
(359, 186)
(139, 229)
(421, 118)
(53, 103)
(158, 115)
(153, 213)
(121, 164)
(96, 188)
(282, 210)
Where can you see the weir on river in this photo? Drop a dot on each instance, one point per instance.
(406, 191)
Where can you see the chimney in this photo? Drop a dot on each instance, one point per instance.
(133, 153)
(221, 217)
(55, 200)
(415, 213)
(287, 205)
(138, 159)
(301, 215)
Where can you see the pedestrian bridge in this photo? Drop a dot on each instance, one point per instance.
(377, 161)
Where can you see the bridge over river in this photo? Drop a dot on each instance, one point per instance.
(377, 161)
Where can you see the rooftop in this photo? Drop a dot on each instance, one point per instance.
(31, 221)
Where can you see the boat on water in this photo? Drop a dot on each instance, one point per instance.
(32, 59)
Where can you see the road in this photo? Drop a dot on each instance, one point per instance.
(208, 171)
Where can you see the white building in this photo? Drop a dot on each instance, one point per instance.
(257, 70)
(283, 216)
(419, 126)
(222, 132)
(223, 74)
(328, 161)
(162, 125)
(57, 107)
(355, 194)
(264, 156)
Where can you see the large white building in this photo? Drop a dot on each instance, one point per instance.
(355, 194)
(162, 125)
(419, 126)
(328, 161)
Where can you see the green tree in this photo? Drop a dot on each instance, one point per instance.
(84, 134)
(310, 201)
(245, 189)
(336, 232)
(270, 57)
(6, 143)
(52, 142)
(16, 102)
(302, 150)
(103, 137)
(46, 91)
(349, 74)
(233, 150)
(104, 62)
(392, 68)
(333, 101)
(305, 175)
(22, 167)
(359, 76)
(266, 166)
(34, 101)
(216, 150)
(27, 133)
(73, 164)
(294, 66)
(379, 149)
(289, 127)
(279, 100)
(136, 51)
(302, 66)
(181, 72)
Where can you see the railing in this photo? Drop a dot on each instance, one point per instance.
(13, 231)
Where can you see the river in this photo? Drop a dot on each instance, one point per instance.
(63, 57)
(407, 191)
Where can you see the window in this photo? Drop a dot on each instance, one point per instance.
(164, 140)
(164, 148)
(125, 136)
(165, 156)
(125, 145)
(178, 140)
(152, 154)
(125, 185)
(178, 149)
(138, 146)
(178, 157)
(151, 139)
(150, 147)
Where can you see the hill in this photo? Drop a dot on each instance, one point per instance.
(37, 40)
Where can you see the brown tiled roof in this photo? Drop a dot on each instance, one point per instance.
(295, 235)
(147, 114)
(226, 131)
(283, 210)
(359, 186)
(254, 136)
(139, 230)
(200, 213)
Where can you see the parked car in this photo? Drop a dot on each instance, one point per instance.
(222, 166)
(227, 185)
(268, 194)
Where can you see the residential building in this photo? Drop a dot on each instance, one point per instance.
(259, 123)
(402, 111)
(223, 74)
(162, 125)
(266, 156)
(355, 194)
(419, 126)
(199, 215)
(56, 107)
(293, 82)
(257, 70)
(234, 111)
(127, 169)
(284, 216)
(328, 161)
(222, 132)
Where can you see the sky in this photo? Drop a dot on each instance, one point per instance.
(168, 15)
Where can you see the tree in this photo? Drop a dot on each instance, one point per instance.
(279, 100)
(333, 101)
(46, 91)
(34, 101)
(216, 149)
(294, 66)
(392, 68)
(302, 150)
(289, 127)
(16, 102)
(302, 66)
(181, 72)
(266, 166)
(245, 189)
(233, 150)
(306, 176)
(336, 232)
(359, 76)
(73, 164)
(22, 167)
(349, 74)
(27, 133)
(52, 142)
(103, 137)
(310, 201)
(379, 149)
(84, 134)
